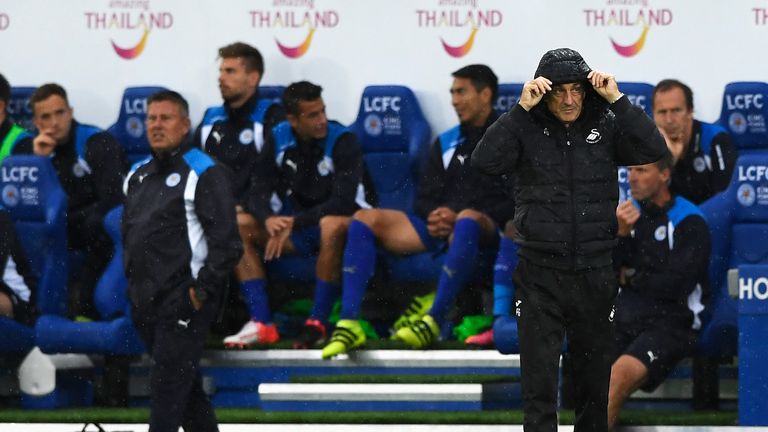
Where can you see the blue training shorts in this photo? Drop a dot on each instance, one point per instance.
(433, 245)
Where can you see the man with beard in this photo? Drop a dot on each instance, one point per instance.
(234, 134)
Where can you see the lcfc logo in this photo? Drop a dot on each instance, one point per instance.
(745, 194)
(373, 125)
(134, 127)
(11, 195)
(737, 123)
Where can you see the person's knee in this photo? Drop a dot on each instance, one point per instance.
(333, 227)
(6, 306)
(628, 374)
(470, 214)
(367, 216)
(247, 226)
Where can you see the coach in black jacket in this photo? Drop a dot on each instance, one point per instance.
(564, 153)
(181, 243)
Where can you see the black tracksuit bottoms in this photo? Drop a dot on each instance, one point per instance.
(176, 386)
(551, 304)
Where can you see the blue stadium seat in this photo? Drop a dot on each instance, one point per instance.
(129, 129)
(272, 92)
(508, 95)
(395, 137)
(640, 94)
(35, 200)
(114, 333)
(738, 224)
(745, 115)
(19, 110)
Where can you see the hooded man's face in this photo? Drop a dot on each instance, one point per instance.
(565, 101)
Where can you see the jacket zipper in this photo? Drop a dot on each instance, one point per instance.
(569, 151)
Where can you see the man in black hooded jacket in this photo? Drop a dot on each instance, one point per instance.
(564, 153)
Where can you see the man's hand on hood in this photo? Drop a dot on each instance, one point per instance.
(534, 91)
(605, 85)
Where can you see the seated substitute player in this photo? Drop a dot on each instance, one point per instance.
(90, 165)
(455, 205)
(234, 133)
(17, 281)
(311, 182)
(662, 259)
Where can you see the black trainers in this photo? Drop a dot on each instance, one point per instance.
(311, 334)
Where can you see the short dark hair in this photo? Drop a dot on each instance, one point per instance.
(298, 92)
(5, 90)
(250, 55)
(481, 76)
(170, 96)
(45, 91)
(669, 84)
(666, 162)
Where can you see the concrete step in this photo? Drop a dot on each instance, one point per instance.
(389, 397)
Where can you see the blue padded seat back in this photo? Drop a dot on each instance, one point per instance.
(110, 295)
(749, 193)
(624, 192)
(272, 92)
(507, 96)
(395, 137)
(130, 127)
(745, 114)
(33, 196)
(19, 110)
(738, 224)
(639, 94)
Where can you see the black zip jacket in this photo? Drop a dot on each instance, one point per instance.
(666, 260)
(699, 175)
(460, 186)
(226, 144)
(179, 227)
(93, 188)
(308, 193)
(566, 188)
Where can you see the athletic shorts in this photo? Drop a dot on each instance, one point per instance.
(433, 244)
(306, 240)
(659, 349)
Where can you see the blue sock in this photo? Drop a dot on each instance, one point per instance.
(326, 294)
(503, 287)
(358, 267)
(458, 266)
(256, 298)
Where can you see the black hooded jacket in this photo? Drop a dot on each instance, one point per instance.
(566, 182)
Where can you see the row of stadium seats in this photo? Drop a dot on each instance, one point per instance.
(743, 113)
(394, 135)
